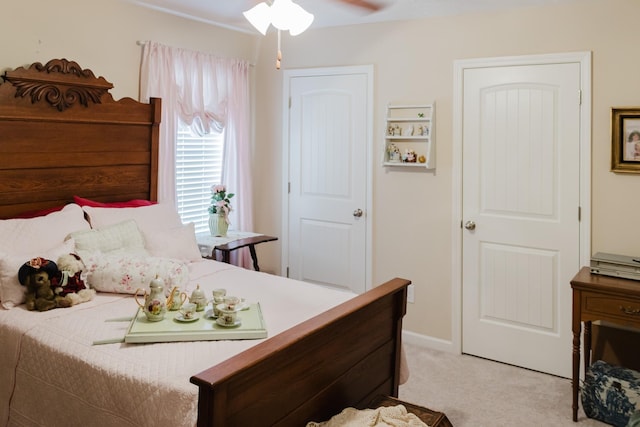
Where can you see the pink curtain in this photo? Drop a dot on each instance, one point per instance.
(207, 93)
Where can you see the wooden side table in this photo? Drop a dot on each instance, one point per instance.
(598, 297)
(209, 246)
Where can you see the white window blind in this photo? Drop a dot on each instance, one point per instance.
(198, 167)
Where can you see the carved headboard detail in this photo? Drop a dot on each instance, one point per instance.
(60, 82)
(62, 134)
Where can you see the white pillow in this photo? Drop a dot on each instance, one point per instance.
(178, 243)
(148, 218)
(11, 291)
(121, 237)
(124, 273)
(30, 235)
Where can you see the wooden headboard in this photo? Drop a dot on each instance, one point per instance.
(62, 134)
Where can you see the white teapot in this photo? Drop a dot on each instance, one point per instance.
(155, 306)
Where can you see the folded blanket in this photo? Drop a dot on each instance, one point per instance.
(385, 416)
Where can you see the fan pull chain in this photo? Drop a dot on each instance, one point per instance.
(279, 55)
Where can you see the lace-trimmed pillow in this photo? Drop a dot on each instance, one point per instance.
(123, 272)
(117, 238)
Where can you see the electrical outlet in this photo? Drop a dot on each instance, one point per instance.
(410, 293)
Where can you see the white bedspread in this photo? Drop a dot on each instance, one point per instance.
(49, 356)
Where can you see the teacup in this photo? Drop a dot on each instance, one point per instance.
(217, 309)
(218, 296)
(188, 310)
(228, 316)
(231, 302)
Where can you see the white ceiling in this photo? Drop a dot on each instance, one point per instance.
(330, 13)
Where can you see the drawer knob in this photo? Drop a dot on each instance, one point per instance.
(629, 310)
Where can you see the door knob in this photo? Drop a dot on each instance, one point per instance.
(357, 213)
(470, 225)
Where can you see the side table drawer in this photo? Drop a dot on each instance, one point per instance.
(604, 307)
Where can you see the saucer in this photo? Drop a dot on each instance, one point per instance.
(220, 322)
(180, 318)
(209, 314)
(243, 305)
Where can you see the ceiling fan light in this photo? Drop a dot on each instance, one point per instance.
(259, 16)
(300, 21)
(281, 14)
(286, 15)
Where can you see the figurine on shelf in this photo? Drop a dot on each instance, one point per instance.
(409, 130)
(393, 152)
(409, 156)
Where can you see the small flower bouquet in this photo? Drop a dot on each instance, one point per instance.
(220, 200)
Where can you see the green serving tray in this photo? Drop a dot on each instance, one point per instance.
(204, 329)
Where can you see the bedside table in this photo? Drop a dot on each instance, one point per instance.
(210, 246)
(599, 297)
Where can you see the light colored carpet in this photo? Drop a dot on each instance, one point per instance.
(477, 392)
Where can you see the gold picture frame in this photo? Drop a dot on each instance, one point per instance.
(625, 139)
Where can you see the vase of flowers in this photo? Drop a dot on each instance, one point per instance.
(219, 210)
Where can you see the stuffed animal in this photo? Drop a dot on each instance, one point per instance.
(49, 286)
(68, 282)
(36, 275)
(409, 156)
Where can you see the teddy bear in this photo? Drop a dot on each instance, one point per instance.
(50, 285)
(35, 275)
(68, 281)
(409, 156)
(39, 294)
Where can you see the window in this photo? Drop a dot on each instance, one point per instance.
(198, 167)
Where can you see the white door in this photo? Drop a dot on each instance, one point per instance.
(329, 130)
(520, 213)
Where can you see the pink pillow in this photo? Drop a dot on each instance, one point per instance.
(128, 204)
(42, 212)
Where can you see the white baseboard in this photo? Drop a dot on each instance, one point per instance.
(427, 341)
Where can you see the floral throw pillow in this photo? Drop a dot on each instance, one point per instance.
(125, 273)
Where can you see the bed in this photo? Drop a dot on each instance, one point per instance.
(64, 140)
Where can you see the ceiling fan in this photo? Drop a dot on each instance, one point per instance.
(289, 16)
(363, 4)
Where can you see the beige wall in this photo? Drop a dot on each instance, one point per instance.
(102, 36)
(413, 63)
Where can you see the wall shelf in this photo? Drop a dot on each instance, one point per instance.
(409, 136)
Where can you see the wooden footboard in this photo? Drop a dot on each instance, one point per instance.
(343, 357)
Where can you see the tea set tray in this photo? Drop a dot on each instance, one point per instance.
(251, 326)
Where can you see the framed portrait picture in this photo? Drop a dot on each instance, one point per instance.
(625, 139)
